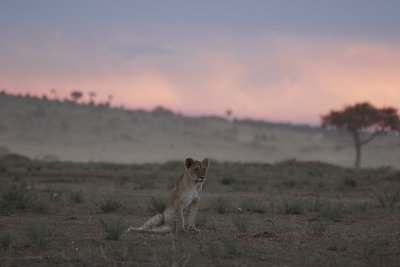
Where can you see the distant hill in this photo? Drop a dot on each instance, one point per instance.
(50, 129)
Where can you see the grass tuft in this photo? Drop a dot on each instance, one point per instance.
(113, 229)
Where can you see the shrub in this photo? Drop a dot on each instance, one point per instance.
(358, 207)
(201, 219)
(171, 166)
(41, 207)
(3, 168)
(113, 229)
(389, 198)
(338, 244)
(214, 250)
(349, 182)
(289, 183)
(147, 182)
(15, 198)
(5, 239)
(227, 181)
(230, 245)
(241, 222)
(158, 204)
(111, 205)
(39, 235)
(56, 197)
(222, 205)
(333, 212)
(318, 228)
(76, 197)
(253, 206)
(295, 207)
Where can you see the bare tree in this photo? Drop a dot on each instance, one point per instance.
(363, 122)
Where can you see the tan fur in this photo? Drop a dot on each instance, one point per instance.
(180, 214)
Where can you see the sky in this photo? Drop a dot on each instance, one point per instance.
(277, 60)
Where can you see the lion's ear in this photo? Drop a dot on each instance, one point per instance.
(188, 163)
(205, 163)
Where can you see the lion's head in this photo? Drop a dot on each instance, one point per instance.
(197, 170)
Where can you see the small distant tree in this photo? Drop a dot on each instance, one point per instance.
(109, 100)
(92, 96)
(76, 95)
(228, 114)
(363, 122)
(54, 92)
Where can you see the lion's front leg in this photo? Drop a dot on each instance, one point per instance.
(192, 216)
(180, 222)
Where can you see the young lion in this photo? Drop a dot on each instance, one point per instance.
(183, 201)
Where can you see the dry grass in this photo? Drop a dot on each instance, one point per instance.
(286, 214)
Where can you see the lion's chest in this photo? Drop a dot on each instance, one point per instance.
(190, 197)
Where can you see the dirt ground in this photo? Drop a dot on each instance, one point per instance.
(289, 213)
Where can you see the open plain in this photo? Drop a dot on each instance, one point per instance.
(289, 213)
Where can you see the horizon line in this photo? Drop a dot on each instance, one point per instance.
(157, 106)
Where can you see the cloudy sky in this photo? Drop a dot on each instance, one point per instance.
(278, 60)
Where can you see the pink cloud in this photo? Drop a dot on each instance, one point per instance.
(278, 78)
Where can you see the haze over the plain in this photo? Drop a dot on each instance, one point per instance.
(54, 130)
